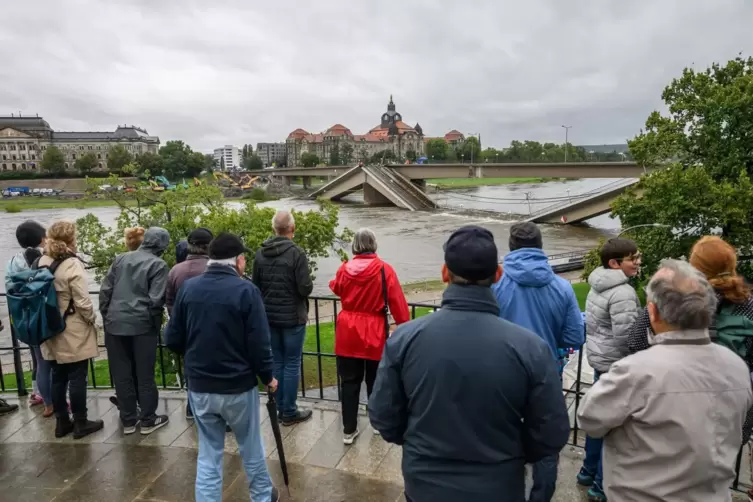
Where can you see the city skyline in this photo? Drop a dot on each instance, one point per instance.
(507, 70)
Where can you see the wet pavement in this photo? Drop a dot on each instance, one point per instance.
(107, 466)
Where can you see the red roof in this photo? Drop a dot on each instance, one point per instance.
(338, 130)
(454, 135)
(298, 134)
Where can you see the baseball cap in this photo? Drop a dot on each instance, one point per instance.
(471, 253)
(200, 237)
(226, 246)
(525, 234)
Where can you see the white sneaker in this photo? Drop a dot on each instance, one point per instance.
(349, 438)
(130, 430)
(377, 433)
(151, 426)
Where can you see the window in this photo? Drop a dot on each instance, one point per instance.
(66, 165)
(5, 157)
(81, 147)
(99, 147)
(13, 157)
(23, 156)
(5, 167)
(99, 156)
(32, 166)
(44, 148)
(90, 147)
(33, 157)
(23, 166)
(22, 147)
(12, 147)
(74, 156)
(2, 147)
(99, 165)
(13, 166)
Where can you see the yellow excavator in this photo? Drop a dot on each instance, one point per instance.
(247, 182)
(222, 177)
(156, 187)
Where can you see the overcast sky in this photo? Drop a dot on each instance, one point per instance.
(238, 71)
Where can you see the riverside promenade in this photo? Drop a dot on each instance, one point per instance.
(108, 466)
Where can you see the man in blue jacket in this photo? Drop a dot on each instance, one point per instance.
(471, 397)
(218, 322)
(531, 295)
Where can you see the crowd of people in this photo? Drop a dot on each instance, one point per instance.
(473, 392)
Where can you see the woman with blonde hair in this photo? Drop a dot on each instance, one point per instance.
(134, 237)
(69, 352)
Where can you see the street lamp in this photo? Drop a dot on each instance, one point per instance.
(462, 158)
(472, 134)
(652, 225)
(567, 129)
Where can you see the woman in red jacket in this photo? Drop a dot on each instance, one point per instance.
(366, 286)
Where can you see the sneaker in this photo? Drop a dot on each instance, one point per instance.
(48, 411)
(114, 400)
(63, 427)
(189, 412)
(584, 477)
(377, 433)
(130, 429)
(596, 494)
(275, 495)
(149, 426)
(35, 400)
(300, 416)
(5, 407)
(349, 438)
(82, 428)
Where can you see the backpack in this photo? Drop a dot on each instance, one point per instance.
(733, 331)
(33, 304)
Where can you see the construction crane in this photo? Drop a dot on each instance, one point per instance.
(222, 177)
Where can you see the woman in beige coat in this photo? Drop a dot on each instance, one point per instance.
(70, 351)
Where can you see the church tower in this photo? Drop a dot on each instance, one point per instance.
(391, 117)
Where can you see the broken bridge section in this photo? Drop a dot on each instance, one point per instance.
(381, 186)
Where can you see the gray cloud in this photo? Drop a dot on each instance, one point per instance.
(234, 71)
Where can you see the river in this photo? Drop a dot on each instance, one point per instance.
(410, 241)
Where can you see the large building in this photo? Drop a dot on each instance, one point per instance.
(391, 134)
(228, 158)
(271, 153)
(23, 141)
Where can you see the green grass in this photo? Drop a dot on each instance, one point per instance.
(475, 182)
(13, 208)
(21, 203)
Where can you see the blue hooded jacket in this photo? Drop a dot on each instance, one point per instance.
(531, 295)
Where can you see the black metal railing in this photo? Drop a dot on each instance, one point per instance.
(326, 386)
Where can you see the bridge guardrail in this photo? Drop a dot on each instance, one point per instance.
(583, 197)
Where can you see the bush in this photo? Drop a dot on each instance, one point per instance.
(13, 208)
(258, 194)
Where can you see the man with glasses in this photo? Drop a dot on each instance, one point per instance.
(611, 307)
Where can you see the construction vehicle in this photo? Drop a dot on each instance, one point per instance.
(247, 182)
(222, 177)
(156, 187)
(197, 182)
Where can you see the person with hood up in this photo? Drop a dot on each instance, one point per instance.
(281, 272)
(131, 301)
(533, 297)
(369, 290)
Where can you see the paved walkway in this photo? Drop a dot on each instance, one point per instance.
(110, 467)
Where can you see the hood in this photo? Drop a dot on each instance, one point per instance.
(181, 251)
(276, 246)
(528, 267)
(156, 240)
(15, 265)
(363, 267)
(602, 279)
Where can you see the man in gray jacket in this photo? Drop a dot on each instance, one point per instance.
(131, 301)
(671, 416)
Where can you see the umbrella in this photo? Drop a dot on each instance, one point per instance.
(275, 423)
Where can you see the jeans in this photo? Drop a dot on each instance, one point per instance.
(287, 349)
(212, 412)
(352, 372)
(43, 376)
(593, 461)
(69, 377)
(132, 360)
(544, 479)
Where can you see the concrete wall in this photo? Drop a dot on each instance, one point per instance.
(67, 184)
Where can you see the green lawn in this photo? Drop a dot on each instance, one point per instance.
(13, 205)
(475, 182)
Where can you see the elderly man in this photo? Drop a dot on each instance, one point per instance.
(281, 272)
(470, 397)
(671, 416)
(219, 324)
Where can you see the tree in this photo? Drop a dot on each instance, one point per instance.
(346, 154)
(708, 134)
(363, 154)
(254, 163)
(149, 162)
(334, 155)
(208, 163)
(309, 159)
(437, 149)
(117, 157)
(222, 163)
(53, 160)
(175, 158)
(184, 209)
(86, 163)
(471, 149)
(247, 151)
(383, 157)
(410, 155)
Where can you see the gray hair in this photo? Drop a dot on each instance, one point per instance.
(197, 249)
(683, 296)
(364, 241)
(228, 262)
(282, 222)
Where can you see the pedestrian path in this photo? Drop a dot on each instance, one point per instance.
(161, 467)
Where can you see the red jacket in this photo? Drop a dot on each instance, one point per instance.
(360, 324)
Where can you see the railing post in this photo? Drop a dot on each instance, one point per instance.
(17, 366)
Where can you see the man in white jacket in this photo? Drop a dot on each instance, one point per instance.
(671, 416)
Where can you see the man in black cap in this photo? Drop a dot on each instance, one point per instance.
(194, 264)
(218, 323)
(471, 397)
(531, 295)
